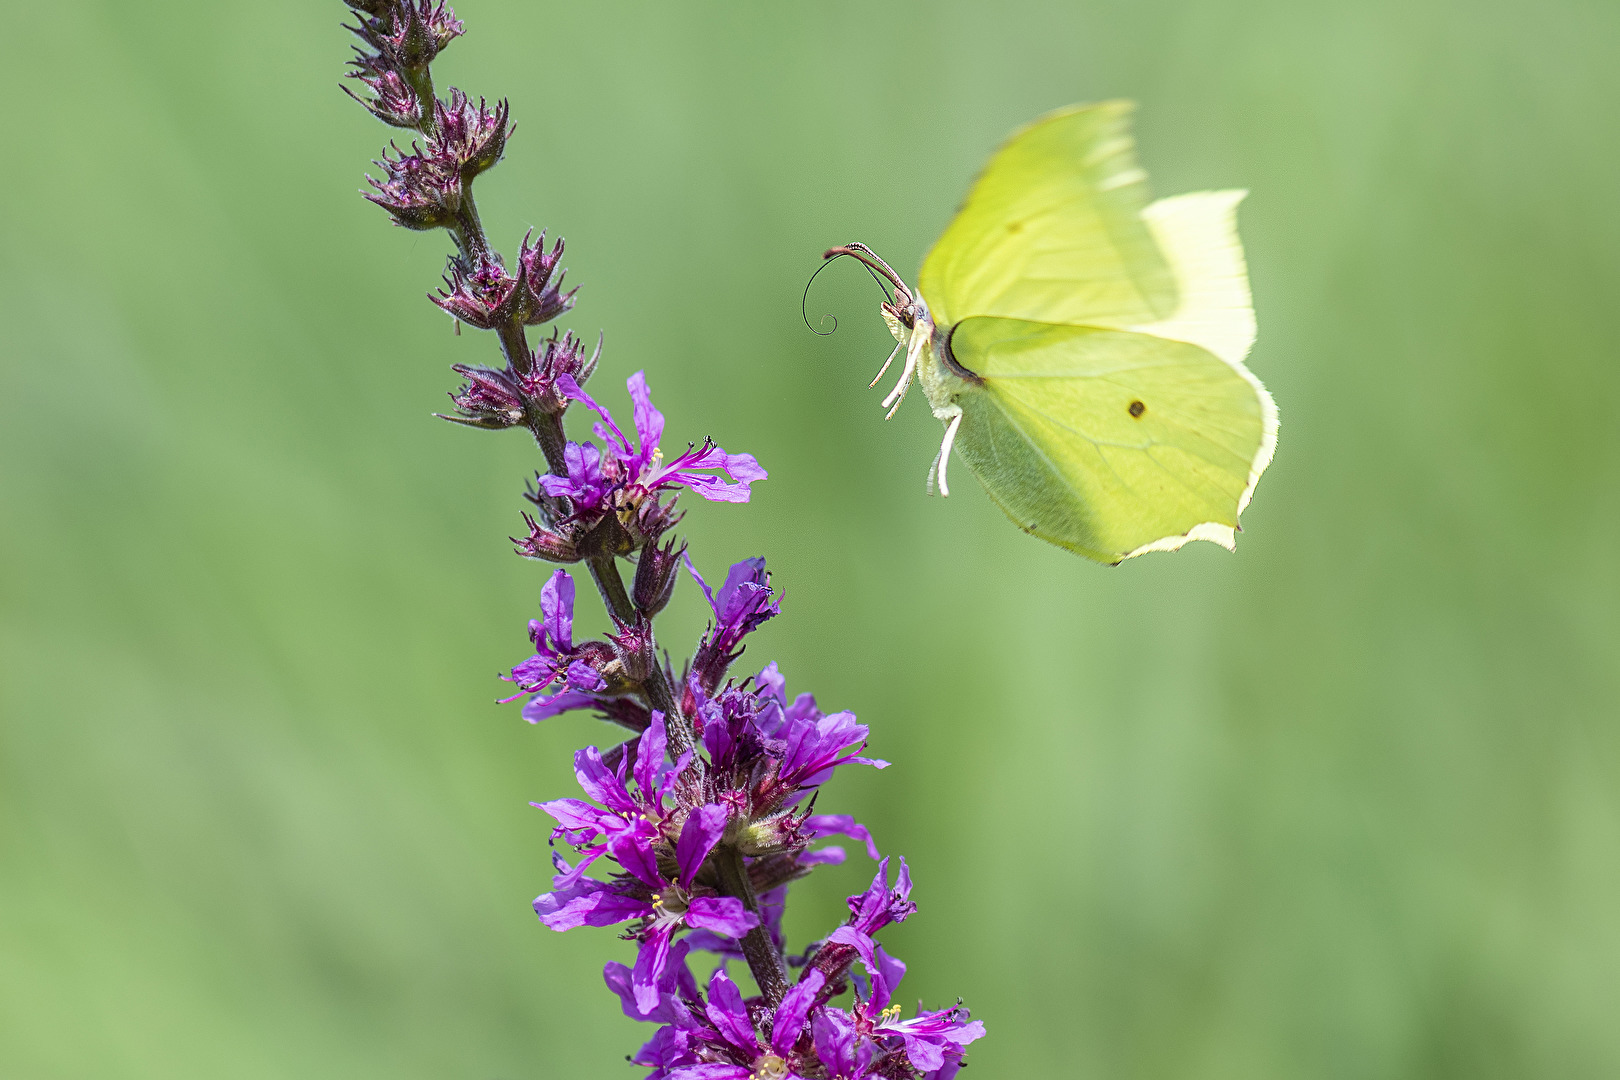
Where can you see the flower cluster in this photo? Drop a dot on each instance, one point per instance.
(691, 831)
(744, 794)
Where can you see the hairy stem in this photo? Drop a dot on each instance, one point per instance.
(548, 434)
(764, 962)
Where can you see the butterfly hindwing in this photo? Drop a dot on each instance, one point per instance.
(1104, 441)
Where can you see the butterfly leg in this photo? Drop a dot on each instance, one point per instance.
(885, 366)
(914, 349)
(952, 415)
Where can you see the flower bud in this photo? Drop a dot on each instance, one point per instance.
(655, 577)
(489, 399)
(633, 646)
(481, 295)
(543, 543)
(553, 358)
(473, 136)
(543, 299)
(419, 191)
(392, 101)
(772, 835)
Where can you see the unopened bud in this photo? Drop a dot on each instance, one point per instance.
(655, 577)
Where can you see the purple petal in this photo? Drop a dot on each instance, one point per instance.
(744, 468)
(590, 904)
(772, 684)
(537, 671)
(827, 856)
(834, 1033)
(703, 829)
(666, 1049)
(747, 572)
(650, 751)
(601, 784)
(581, 676)
(649, 969)
(729, 1015)
(545, 706)
(649, 421)
(568, 388)
(925, 1054)
(634, 853)
(568, 877)
(558, 485)
(709, 1072)
(795, 1007)
(842, 825)
(580, 817)
(557, 603)
(617, 977)
(855, 939)
(886, 979)
(721, 914)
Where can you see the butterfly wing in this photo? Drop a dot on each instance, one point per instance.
(1053, 230)
(1108, 442)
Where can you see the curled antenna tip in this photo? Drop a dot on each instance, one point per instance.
(804, 303)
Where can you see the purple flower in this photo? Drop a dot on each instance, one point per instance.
(740, 606)
(675, 987)
(621, 476)
(870, 912)
(555, 657)
(813, 744)
(933, 1041)
(730, 1049)
(872, 1040)
(665, 905)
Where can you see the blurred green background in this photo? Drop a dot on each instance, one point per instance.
(1343, 805)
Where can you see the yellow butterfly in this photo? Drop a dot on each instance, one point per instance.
(1084, 347)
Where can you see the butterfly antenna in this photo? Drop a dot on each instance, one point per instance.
(804, 307)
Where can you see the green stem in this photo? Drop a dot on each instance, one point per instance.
(764, 962)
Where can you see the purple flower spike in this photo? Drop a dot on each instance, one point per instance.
(697, 825)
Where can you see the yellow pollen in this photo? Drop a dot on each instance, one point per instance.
(770, 1067)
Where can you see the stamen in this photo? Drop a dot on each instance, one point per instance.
(944, 458)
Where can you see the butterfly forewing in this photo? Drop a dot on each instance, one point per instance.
(1053, 230)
